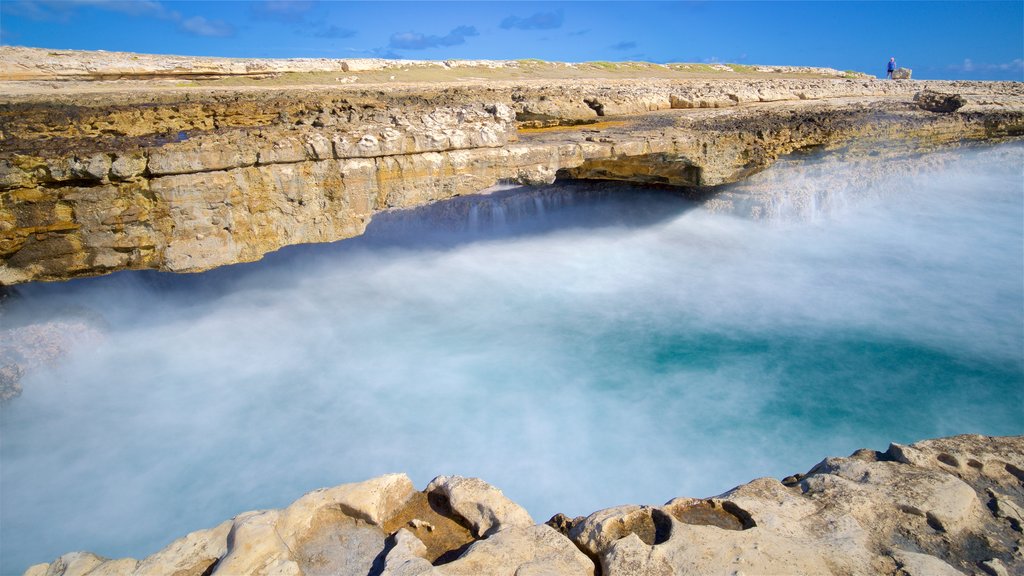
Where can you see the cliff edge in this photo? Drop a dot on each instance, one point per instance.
(188, 174)
(949, 506)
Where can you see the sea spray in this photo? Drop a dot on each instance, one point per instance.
(579, 347)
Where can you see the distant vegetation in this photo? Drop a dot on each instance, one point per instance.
(521, 69)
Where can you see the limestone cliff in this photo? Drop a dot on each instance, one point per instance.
(940, 507)
(133, 176)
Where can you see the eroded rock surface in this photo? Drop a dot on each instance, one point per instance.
(944, 506)
(485, 508)
(187, 179)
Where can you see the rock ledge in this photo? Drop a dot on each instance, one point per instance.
(945, 506)
(98, 176)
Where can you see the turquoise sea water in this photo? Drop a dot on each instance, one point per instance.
(578, 346)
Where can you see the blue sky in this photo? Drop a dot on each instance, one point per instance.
(971, 40)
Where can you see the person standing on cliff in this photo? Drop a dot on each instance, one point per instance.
(891, 68)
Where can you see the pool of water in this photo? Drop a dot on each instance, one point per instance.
(579, 346)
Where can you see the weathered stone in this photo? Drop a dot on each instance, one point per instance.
(1004, 507)
(630, 556)
(122, 567)
(254, 547)
(128, 166)
(373, 501)
(521, 551)
(994, 567)
(194, 156)
(191, 555)
(187, 184)
(74, 564)
(902, 74)
(912, 510)
(440, 531)
(597, 532)
(95, 167)
(915, 564)
(338, 547)
(527, 551)
(938, 101)
(406, 556)
(484, 507)
(37, 570)
(948, 503)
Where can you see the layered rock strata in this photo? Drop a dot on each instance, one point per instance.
(187, 180)
(940, 507)
(37, 64)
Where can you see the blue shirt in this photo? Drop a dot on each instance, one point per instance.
(892, 66)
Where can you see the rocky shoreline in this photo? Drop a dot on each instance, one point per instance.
(947, 506)
(114, 162)
(139, 175)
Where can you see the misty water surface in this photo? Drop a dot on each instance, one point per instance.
(579, 347)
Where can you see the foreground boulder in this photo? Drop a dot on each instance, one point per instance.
(946, 506)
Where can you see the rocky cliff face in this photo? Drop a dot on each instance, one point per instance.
(940, 507)
(185, 180)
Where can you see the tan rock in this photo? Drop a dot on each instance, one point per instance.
(187, 183)
(206, 155)
(255, 548)
(324, 532)
(128, 166)
(407, 556)
(121, 567)
(374, 501)
(630, 556)
(995, 567)
(521, 551)
(338, 546)
(190, 555)
(912, 510)
(602, 528)
(74, 564)
(915, 564)
(37, 570)
(938, 101)
(948, 503)
(1004, 507)
(753, 551)
(486, 509)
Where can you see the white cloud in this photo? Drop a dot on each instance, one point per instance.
(968, 65)
(64, 10)
(286, 10)
(132, 7)
(538, 21)
(417, 41)
(201, 26)
(1013, 65)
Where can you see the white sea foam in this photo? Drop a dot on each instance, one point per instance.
(579, 349)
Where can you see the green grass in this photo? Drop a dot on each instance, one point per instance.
(742, 68)
(526, 68)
